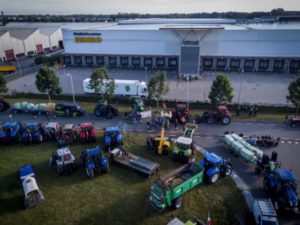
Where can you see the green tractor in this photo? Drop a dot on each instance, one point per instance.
(183, 149)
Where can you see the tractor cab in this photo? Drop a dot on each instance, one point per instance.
(112, 138)
(63, 161)
(181, 113)
(94, 162)
(183, 149)
(285, 177)
(68, 134)
(87, 133)
(11, 131)
(33, 132)
(190, 130)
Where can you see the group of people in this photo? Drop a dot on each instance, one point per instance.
(164, 118)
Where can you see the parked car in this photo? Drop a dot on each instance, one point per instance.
(69, 110)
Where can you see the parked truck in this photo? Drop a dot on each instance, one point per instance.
(122, 87)
(32, 194)
(167, 191)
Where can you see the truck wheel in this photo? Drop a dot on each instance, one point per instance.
(177, 202)
(210, 120)
(226, 120)
(228, 170)
(214, 178)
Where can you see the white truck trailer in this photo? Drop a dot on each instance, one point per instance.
(122, 87)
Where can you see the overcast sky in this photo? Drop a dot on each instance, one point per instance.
(141, 6)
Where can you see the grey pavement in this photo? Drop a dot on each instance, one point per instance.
(255, 88)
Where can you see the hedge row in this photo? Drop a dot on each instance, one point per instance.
(49, 60)
(169, 103)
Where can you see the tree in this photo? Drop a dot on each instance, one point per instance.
(157, 87)
(47, 82)
(102, 83)
(3, 88)
(221, 90)
(294, 93)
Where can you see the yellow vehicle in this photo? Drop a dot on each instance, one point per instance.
(160, 144)
(7, 68)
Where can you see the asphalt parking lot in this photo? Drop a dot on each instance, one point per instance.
(248, 87)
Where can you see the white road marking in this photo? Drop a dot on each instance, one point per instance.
(289, 142)
(296, 142)
(282, 142)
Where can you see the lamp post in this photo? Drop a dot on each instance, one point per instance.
(72, 86)
(240, 89)
(66, 82)
(188, 91)
(146, 74)
(19, 66)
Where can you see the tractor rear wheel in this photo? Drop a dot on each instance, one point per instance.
(90, 173)
(106, 168)
(177, 202)
(214, 178)
(210, 120)
(226, 120)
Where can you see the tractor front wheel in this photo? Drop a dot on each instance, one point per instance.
(226, 120)
(228, 170)
(90, 173)
(177, 202)
(214, 178)
(210, 120)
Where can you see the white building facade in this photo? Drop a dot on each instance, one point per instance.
(189, 46)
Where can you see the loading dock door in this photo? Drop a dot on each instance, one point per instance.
(9, 54)
(39, 49)
(189, 59)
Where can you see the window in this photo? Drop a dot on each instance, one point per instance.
(263, 64)
(78, 60)
(160, 62)
(67, 60)
(89, 60)
(124, 61)
(136, 61)
(100, 60)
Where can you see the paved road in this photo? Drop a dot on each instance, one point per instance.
(210, 138)
(255, 88)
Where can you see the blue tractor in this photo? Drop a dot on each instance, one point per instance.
(112, 138)
(94, 162)
(33, 133)
(10, 132)
(215, 167)
(282, 188)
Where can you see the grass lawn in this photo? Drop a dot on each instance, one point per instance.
(119, 197)
(89, 107)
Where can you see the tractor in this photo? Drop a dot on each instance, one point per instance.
(183, 149)
(103, 109)
(112, 138)
(52, 131)
(4, 105)
(33, 133)
(220, 115)
(160, 144)
(69, 134)
(32, 194)
(87, 133)
(63, 161)
(181, 113)
(10, 132)
(94, 162)
(215, 167)
(281, 186)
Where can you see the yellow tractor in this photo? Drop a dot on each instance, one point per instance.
(160, 144)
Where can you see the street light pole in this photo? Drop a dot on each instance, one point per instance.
(66, 87)
(188, 91)
(71, 77)
(146, 74)
(240, 89)
(19, 66)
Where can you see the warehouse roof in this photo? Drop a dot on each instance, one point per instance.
(2, 32)
(20, 33)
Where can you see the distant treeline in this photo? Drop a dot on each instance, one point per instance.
(242, 16)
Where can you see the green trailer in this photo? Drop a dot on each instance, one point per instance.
(167, 191)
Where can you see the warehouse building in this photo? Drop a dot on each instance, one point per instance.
(28, 39)
(189, 46)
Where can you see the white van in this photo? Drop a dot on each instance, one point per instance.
(122, 87)
(264, 213)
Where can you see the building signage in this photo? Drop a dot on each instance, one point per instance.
(87, 37)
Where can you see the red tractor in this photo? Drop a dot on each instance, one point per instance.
(87, 133)
(181, 113)
(69, 134)
(220, 115)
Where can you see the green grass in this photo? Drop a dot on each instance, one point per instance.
(89, 107)
(119, 197)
